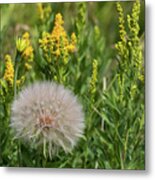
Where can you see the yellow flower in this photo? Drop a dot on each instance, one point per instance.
(71, 48)
(26, 35)
(73, 39)
(58, 20)
(94, 76)
(57, 52)
(40, 11)
(58, 32)
(24, 42)
(60, 40)
(121, 22)
(9, 70)
(57, 42)
(45, 42)
(20, 44)
(28, 66)
(44, 11)
(26, 38)
(20, 81)
(28, 53)
(47, 11)
(23, 45)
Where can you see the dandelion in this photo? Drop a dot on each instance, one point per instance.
(48, 114)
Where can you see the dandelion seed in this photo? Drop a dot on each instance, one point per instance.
(47, 112)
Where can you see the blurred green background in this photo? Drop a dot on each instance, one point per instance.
(17, 18)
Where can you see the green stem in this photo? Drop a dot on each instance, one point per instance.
(15, 79)
(122, 160)
(19, 154)
(126, 144)
(17, 59)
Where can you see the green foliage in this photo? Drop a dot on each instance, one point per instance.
(108, 81)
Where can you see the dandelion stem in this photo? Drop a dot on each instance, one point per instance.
(15, 93)
(19, 154)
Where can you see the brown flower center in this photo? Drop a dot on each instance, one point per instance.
(46, 121)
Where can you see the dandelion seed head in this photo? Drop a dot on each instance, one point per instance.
(48, 112)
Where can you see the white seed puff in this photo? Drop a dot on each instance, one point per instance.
(46, 112)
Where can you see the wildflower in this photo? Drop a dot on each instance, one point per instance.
(26, 36)
(23, 45)
(45, 41)
(73, 38)
(44, 11)
(121, 45)
(28, 66)
(20, 44)
(9, 70)
(58, 20)
(28, 53)
(57, 43)
(25, 49)
(57, 52)
(136, 48)
(129, 50)
(94, 77)
(60, 40)
(20, 81)
(40, 11)
(47, 113)
(81, 19)
(121, 22)
(71, 48)
(59, 36)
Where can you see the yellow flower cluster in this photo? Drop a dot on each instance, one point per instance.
(25, 48)
(57, 44)
(9, 70)
(94, 76)
(28, 51)
(135, 40)
(44, 11)
(121, 45)
(20, 81)
(81, 19)
(130, 50)
(121, 22)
